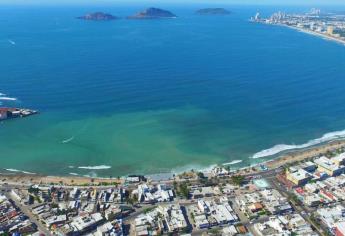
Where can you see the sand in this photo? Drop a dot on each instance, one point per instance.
(289, 158)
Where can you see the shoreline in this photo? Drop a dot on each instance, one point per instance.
(310, 32)
(322, 35)
(23, 179)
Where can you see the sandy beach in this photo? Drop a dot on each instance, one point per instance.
(27, 180)
(322, 35)
(301, 155)
(288, 158)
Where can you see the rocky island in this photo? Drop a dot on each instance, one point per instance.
(98, 16)
(213, 11)
(10, 113)
(153, 13)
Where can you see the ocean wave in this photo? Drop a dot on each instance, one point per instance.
(11, 42)
(8, 99)
(101, 167)
(285, 147)
(75, 174)
(21, 171)
(67, 140)
(232, 162)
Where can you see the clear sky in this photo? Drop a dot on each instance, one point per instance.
(245, 2)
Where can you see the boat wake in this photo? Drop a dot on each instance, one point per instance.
(285, 147)
(67, 140)
(101, 167)
(232, 163)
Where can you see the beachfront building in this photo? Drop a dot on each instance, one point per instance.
(327, 166)
(339, 159)
(308, 166)
(201, 192)
(298, 176)
(152, 194)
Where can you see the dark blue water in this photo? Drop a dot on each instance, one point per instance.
(204, 90)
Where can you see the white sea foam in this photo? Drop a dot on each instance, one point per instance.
(8, 99)
(21, 171)
(285, 147)
(67, 140)
(232, 162)
(101, 167)
(73, 174)
(2, 94)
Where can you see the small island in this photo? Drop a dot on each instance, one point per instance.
(98, 16)
(213, 11)
(10, 113)
(152, 13)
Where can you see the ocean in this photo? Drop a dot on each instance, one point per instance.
(155, 96)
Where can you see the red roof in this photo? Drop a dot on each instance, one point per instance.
(2, 109)
(299, 190)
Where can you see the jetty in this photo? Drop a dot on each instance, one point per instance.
(7, 113)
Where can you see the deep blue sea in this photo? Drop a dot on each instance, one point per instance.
(148, 96)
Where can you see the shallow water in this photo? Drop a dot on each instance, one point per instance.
(158, 96)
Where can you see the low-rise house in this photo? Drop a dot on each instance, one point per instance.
(174, 218)
(329, 216)
(83, 224)
(202, 192)
(339, 229)
(55, 220)
(292, 224)
(218, 213)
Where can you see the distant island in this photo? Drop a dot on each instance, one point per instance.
(213, 11)
(152, 13)
(98, 16)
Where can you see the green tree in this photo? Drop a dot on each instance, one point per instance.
(237, 179)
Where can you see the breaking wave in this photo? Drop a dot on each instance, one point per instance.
(232, 162)
(101, 167)
(8, 99)
(21, 171)
(285, 147)
(67, 140)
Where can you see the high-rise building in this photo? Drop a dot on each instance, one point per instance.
(330, 30)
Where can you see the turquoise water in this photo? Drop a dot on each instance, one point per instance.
(132, 96)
